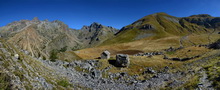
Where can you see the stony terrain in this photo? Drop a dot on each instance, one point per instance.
(156, 52)
(29, 72)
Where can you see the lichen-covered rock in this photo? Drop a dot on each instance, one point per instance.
(122, 60)
(105, 55)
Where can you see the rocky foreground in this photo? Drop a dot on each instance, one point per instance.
(21, 71)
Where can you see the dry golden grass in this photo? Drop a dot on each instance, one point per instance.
(147, 45)
(190, 52)
(139, 63)
(68, 56)
(203, 38)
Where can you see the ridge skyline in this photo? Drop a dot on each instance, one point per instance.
(115, 13)
(78, 27)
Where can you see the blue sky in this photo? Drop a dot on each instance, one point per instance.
(116, 13)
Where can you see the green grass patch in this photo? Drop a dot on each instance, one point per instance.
(63, 83)
(171, 52)
(4, 81)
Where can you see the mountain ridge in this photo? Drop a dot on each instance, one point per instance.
(162, 25)
(58, 35)
(47, 36)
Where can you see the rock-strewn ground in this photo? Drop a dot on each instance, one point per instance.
(26, 72)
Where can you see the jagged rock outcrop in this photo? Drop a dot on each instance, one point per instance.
(95, 34)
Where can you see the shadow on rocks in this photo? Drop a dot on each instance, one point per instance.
(113, 62)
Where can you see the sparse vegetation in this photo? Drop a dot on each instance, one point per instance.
(63, 83)
(213, 71)
(170, 53)
(77, 47)
(19, 74)
(4, 81)
(192, 83)
(80, 69)
(53, 55)
(63, 49)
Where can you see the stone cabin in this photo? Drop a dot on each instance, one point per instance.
(105, 55)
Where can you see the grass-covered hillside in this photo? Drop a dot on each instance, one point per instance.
(160, 25)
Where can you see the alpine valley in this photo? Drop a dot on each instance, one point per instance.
(158, 51)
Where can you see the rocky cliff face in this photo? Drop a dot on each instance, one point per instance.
(41, 37)
(204, 20)
(95, 34)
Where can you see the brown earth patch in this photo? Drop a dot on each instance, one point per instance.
(129, 52)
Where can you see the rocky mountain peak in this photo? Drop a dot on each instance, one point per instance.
(84, 27)
(46, 20)
(35, 19)
(96, 25)
(57, 21)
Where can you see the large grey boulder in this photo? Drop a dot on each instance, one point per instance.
(105, 55)
(122, 60)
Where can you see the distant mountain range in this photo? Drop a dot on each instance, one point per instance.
(41, 37)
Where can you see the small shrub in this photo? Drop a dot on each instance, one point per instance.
(63, 83)
(44, 58)
(63, 49)
(53, 55)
